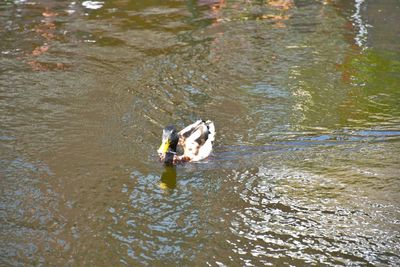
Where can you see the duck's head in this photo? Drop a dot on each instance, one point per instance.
(169, 142)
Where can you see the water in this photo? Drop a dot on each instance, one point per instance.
(305, 98)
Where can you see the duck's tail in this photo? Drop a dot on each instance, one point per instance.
(211, 130)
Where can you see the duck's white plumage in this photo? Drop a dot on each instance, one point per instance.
(196, 140)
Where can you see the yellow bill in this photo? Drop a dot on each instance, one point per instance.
(164, 147)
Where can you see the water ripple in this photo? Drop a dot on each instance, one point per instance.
(310, 229)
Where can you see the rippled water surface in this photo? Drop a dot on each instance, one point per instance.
(305, 96)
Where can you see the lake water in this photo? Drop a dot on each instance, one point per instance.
(305, 97)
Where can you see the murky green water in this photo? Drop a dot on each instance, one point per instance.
(305, 96)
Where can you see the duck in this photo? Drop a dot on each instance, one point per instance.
(192, 143)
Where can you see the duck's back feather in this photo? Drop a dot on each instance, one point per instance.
(196, 140)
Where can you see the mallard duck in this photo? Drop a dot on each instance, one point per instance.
(193, 143)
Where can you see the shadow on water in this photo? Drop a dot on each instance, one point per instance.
(168, 177)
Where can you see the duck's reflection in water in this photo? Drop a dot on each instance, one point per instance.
(168, 177)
